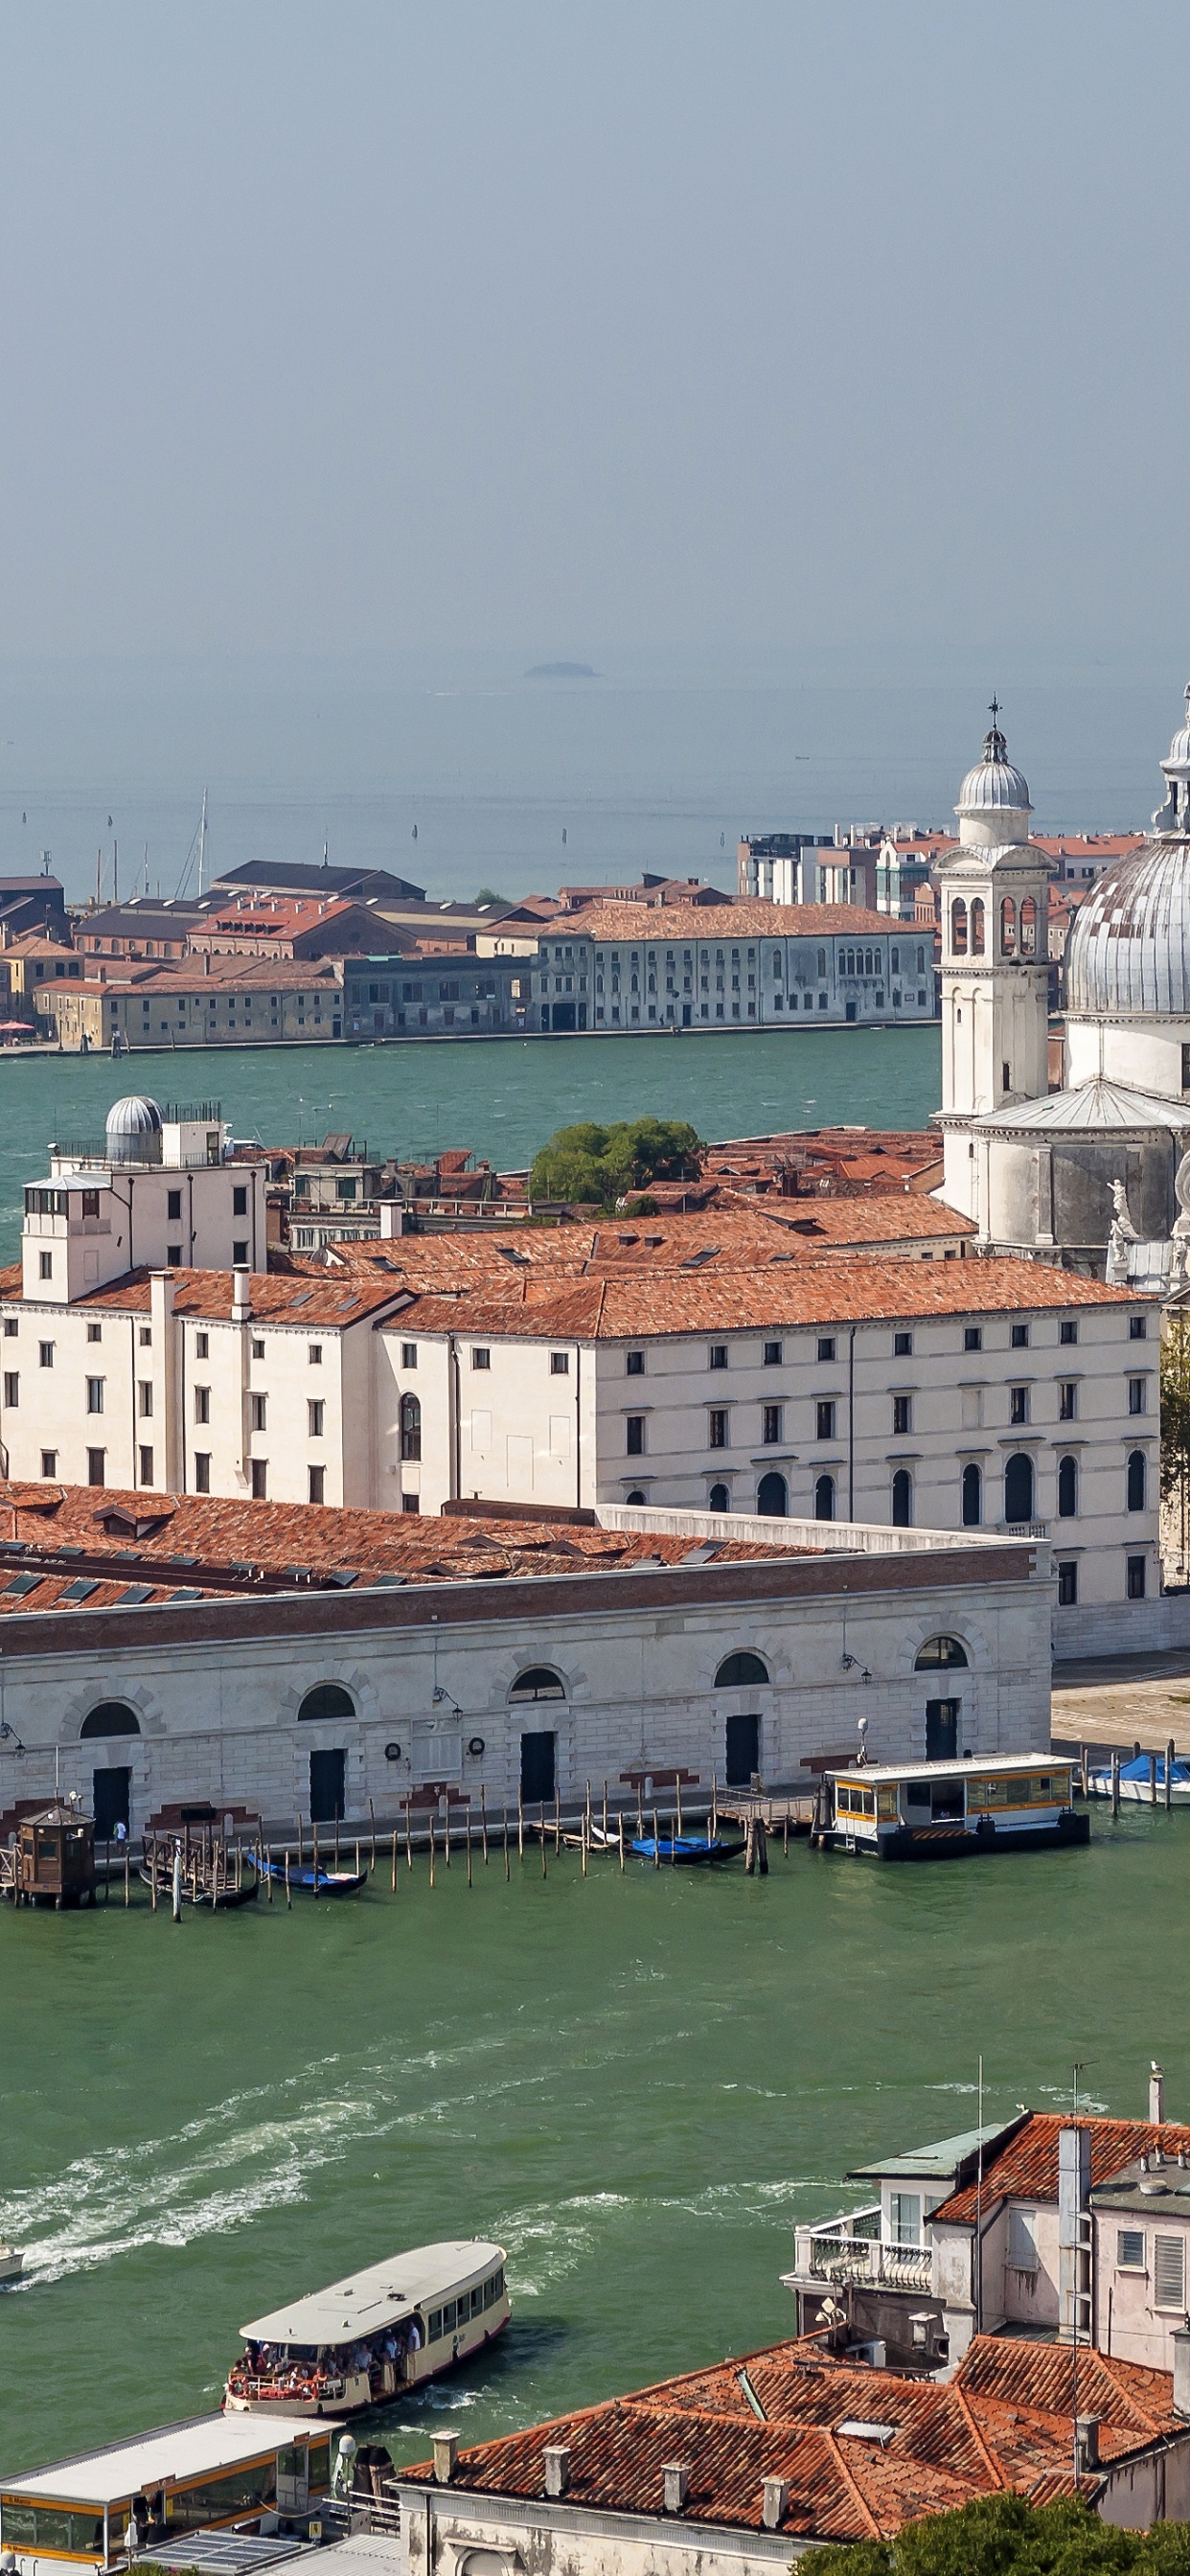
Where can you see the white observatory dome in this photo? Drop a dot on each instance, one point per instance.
(133, 1131)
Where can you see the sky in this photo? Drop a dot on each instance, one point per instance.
(351, 327)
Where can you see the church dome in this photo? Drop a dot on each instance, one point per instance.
(994, 786)
(133, 1130)
(1129, 945)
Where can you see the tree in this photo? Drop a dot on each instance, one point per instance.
(487, 895)
(598, 1165)
(1175, 1422)
(1004, 2535)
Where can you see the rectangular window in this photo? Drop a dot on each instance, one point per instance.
(1022, 2240)
(1138, 1329)
(1068, 1585)
(772, 1354)
(634, 1365)
(173, 1207)
(90, 1202)
(95, 1395)
(559, 1363)
(1067, 1400)
(317, 1417)
(972, 1337)
(1136, 1395)
(257, 1349)
(905, 2217)
(239, 1204)
(481, 1359)
(146, 1466)
(408, 1353)
(94, 1332)
(718, 1355)
(717, 1429)
(49, 1462)
(770, 1430)
(1136, 1578)
(260, 1412)
(144, 1397)
(902, 1413)
(173, 1256)
(260, 1480)
(10, 1328)
(826, 1347)
(411, 1502)
(1019, 1337)
(1130, 2249)
(202, 1346)
(317, 1477)
(12, 1388)
(96, 1466)
(202, 1471)
(145, 1337)
(825, 1421)
(634, 1428)
(1068, 1330)
(1018, 1404)
(45, 1265)
(202, 1404)
(1169, 2272)
(902, 1346)
(314, 1354)
(239, 1254)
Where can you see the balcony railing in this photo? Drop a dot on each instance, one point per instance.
(851, 2250)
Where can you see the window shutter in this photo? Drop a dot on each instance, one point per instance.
(1169, 2272)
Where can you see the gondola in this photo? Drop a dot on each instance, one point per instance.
(684, 1850)
(330, 1882)
(196, 1888)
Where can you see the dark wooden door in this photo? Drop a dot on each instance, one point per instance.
(328, 1787)
(743, 1749)
(538, 1773)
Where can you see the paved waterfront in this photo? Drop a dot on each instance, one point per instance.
(637, 2084)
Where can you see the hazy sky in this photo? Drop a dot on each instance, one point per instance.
(334, 325)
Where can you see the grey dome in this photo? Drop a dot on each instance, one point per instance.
(133, 1130)
(1129, 945)
(994, 786)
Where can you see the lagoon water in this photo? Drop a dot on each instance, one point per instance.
(638, 2084)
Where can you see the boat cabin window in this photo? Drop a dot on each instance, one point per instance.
(886, 1805)
(48, 2527)
(243, 2490)
(854, 1802)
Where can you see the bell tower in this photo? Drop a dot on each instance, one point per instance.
(995, 957)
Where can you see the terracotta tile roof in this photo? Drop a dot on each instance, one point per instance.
(722, 1299)
(627, 924)
(1027, 2167)
(1002, 2422)
(308, 1299)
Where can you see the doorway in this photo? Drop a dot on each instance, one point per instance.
(538, 1768)
(743, 1749)
(111, 1793)
(942, 1730)
(328, 1787)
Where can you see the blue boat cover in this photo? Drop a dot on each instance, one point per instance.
(1139, 1770)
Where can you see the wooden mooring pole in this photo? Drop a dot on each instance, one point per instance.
(656, 1842)
(483, 1821)
(543, 1868)
(507, 1864)
(431, 1846)
(1169, 1762)
(1115, 1784)
(394, 1860)
(468, 1842)
(316, 1860)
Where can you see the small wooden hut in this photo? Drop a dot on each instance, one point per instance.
(54, 1858)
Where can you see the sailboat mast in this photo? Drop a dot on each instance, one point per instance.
(202, 839)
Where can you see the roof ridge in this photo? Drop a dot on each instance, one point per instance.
(850, 2480)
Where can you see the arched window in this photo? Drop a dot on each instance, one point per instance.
(410, 1427)
(1018, 1489)
(635, 1496)
(941, 1655)
(1067, 1488)
(869, 963)
(737, 1672)
(902, 1499)
(977, 929)
(824, 1498)
(538, 1683)
(958, 928)
(719, 1499)
(772, 1496)
(1028, 927)
(112, 1717)
(1008, 927)
(327, 1701)
(1137, 1481)
(972, 1497)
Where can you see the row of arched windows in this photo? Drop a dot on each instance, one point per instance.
(1020, 1492)
(1018, 930)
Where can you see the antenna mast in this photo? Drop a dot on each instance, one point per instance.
(202, 839)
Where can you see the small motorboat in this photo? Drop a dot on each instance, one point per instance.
(1136, 1781)
(306, 1881)
(685, 1850)
(12, 2265)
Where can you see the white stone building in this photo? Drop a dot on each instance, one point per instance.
(621, 966)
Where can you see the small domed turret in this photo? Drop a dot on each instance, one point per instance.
(994, 786)
(133, 1131)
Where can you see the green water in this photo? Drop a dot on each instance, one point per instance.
(501, 1098)
(637, 2084)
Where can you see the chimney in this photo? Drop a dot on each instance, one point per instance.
(557, 2468)
(1156, 2093)
(1181, 2370)
(776, 2499)
(676, 2475)
(1074, 2235)
(446, 2452)
(1086, 2443)
(241, 1296)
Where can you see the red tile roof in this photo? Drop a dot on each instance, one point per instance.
(1027, 2167)
(1003, 2421)
(627, 924)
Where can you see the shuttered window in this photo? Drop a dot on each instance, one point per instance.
(1130, 2249)
(1169, 2272)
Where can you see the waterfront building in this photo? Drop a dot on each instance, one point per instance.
(166, 1651)
(623, 966)
(1043, 2224)
(755, 2461)
(204, 1002)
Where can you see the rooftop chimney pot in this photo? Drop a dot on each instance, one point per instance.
(557, 2468)
(446, 2453)
(776, 2499)
(1086, 2442)
(1156, 2093)
(241, 1296)
(1181, 2371)
(676, 2475)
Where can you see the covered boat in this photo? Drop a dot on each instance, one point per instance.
(365, 2339)
(1138, 1778)
(687, 1850)
(950, 1810)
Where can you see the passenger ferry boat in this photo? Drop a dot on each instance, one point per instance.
(365, 2339)
(949, 1810)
